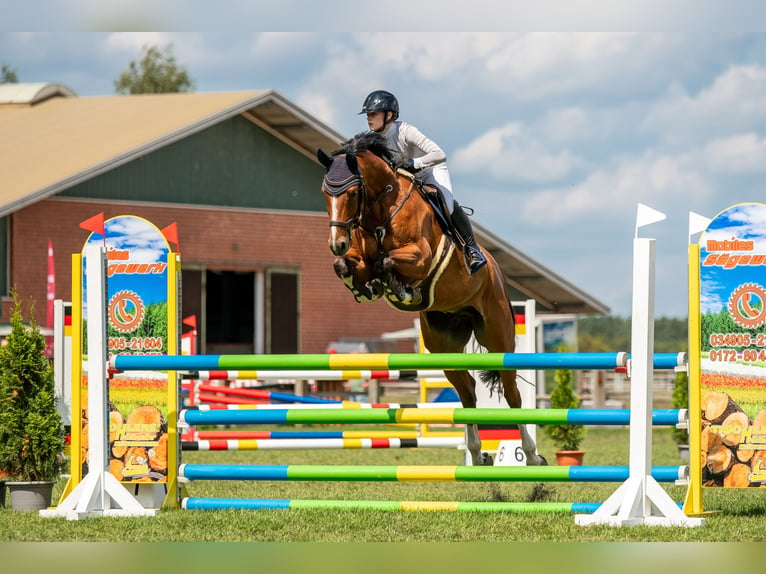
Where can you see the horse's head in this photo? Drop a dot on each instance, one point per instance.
(356, 175)
(344, 193)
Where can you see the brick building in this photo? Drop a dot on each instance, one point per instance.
(237, 173)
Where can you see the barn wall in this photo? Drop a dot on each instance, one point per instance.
(245, 239)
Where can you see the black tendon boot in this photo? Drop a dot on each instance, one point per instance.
(473, 254)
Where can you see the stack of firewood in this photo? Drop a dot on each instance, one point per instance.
(147, 462)
(140, 463)
(730, 443)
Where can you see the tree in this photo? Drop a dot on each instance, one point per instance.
(565, 437)
(31, 434)
(8, 75)
(157, 72)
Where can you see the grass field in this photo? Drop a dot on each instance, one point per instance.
(740, 518)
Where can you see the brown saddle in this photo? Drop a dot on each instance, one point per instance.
(435, 199)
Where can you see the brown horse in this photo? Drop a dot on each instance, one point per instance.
(388, 243)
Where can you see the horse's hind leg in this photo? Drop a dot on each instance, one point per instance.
(513, 398)
(465, 386)
(495, 335)
(447, 334)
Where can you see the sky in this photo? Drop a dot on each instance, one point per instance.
(552, 137)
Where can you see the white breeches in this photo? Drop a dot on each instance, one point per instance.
(438, 175)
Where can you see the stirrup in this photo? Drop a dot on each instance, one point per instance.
(475, 257)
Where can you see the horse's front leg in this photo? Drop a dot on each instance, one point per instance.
(400, 268)
(357, 276)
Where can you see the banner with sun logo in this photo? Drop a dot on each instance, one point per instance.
(141, 319)
(732, 319)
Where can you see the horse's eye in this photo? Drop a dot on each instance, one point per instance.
(352, 193)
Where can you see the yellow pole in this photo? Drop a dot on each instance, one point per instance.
(693, 501)
(172, 498)
(75, 432)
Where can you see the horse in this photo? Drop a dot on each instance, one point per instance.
(388, 243)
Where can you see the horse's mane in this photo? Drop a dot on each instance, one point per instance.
(372, 142)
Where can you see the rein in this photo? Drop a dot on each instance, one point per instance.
(380, 231)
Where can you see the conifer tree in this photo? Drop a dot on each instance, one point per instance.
(31, 433)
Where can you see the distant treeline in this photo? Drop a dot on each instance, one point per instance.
(607, 334)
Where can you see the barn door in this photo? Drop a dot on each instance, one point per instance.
(282, 323)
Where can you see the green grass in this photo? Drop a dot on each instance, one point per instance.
(741, 517)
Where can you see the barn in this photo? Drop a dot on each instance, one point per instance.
(237, 173)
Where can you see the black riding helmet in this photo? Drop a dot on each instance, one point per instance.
(381, 100)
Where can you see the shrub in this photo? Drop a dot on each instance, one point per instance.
(31, 433)
(566, 437)
(680, 401)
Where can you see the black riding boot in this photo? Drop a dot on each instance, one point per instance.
(473, 254)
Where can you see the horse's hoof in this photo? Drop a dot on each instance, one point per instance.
(340, 265)
(543, 460)
(376, 288)
(415, 296)
(486, 459)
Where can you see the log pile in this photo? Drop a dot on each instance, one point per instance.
(138, 444)
(732, 447)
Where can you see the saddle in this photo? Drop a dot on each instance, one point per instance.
(434, 198)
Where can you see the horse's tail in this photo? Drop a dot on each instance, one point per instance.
(492, 380)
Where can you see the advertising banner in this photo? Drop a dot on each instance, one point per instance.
(732, 260)
(138, 322)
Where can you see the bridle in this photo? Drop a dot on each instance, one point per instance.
(338, 188)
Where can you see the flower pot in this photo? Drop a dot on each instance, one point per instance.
(31, 495)
(683, 452)
(3, 479)
(569, 457)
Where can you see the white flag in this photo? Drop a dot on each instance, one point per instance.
(646, 216)
(697, 223)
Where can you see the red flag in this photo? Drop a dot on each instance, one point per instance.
(94, 224)
(171, 233)
(190, 321)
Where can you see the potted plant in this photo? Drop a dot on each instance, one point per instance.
(31, 433)
(681, 401)
(567, 438)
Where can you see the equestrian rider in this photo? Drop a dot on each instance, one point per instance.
(424, 156)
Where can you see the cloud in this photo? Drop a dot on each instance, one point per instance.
(510, 152)
(739, 154)
(133, 42)
(657, 180)
(733, 103)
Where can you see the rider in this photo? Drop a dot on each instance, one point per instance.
(424, 156)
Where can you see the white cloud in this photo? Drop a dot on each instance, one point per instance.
(510, 152)
(738, 154)
(733, 103)
(541, 65)
(655, 180)
(133, 42)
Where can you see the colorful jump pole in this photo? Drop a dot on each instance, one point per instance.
(324, 443)
(431, 415)
(396, 361)
(384, 505)
(423, 473)
(323, 375)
